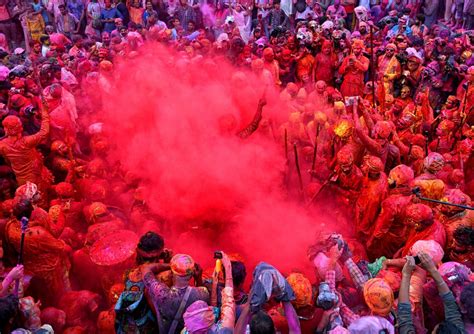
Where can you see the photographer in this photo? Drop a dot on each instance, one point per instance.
(453, 321)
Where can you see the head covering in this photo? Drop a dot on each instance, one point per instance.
(64, 189)
(357, 43)
(198, 317)
(374, 164)
(343, 128)
(182, 265)
(392, 278)
(379, 296)
(302, 288)
(27, 191)
(434, 189)
(430, 247)
(420, 213)
(371, 325)
(12, 125)
(455, 269)
(434, 162)
(345, 157)
(96, 210)
(383, 129)
(257, 64)
(456, 196)
(401, 174)
(446, 126)
(327, 25)
(105, 66)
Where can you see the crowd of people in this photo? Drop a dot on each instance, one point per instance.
(378, 127)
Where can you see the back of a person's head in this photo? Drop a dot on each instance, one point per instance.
(8, 310)
(371, 325)
(447, 327)
(239, 272)
(261, 323)
(467, 302)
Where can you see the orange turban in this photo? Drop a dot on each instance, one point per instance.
(182, 265)
(358, 43)
(379, 296)
(302, 288)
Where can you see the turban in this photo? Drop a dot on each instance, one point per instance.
(374, 164)
(343, 129)
(257, 64)
(27, 191)
(321, 84)
(434, 189)
(371, 325)
(417, 152)
(383, 129)
(391, 46)
(456, 196)
(267, 52)
(105, 66)
(357, 43)
(434, 162)
(430, 247)
(96, 210)
(345, 157)
(379, 296)
(401, 174)
(420, 213)
(414, 55)
(198, 317)
(12, 125)
(446, 125)
(327, 25)
(64, 189)
(54, 213)
(302, 288)
(182, 265)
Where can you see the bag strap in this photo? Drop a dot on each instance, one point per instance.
(180, 311)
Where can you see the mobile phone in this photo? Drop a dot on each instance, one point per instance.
(417, 260)
(218, 255)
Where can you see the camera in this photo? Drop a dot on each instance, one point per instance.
(30, 110)
(218, 255)
(335, 239)
(327, 299)
(350, 100)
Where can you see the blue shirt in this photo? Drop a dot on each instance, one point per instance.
(111, 13)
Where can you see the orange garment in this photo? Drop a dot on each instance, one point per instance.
(353, 84)
(25, 160)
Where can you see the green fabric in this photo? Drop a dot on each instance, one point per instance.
(376, 266)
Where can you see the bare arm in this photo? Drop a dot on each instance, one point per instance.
(292, 318)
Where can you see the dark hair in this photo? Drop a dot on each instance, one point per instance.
(23, 208)
(239, 272)
(421, 18)
(8, 309)
(261, 323)
(467, 301)
(447, 327)
(151, 241)
(3, 54)
(464, 235)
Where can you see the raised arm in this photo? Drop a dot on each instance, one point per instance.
(253, 126)
(35, 139)
(227, 294)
